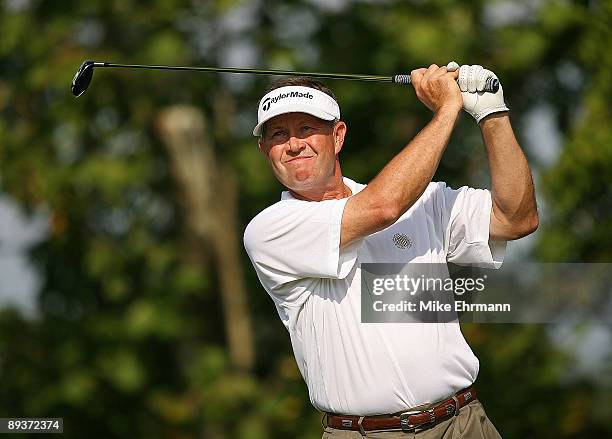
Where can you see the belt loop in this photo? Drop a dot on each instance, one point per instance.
(456, 405)
(361, 430)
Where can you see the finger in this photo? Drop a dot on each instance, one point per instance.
(416, 76)
(463, 76)
(481, 81)
(432, 68)
(472, 82)
(440, 71)
(452, 66)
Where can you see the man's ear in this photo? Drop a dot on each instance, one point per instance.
(262, 146)
(339, 133)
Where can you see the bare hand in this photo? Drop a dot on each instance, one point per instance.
(437, 88)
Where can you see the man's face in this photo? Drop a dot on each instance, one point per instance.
(302, 149)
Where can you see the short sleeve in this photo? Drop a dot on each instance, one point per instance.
(468, 212)
(296, 239)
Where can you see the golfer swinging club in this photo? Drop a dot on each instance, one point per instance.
(383, 380)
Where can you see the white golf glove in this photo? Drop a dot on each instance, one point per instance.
(471, 82)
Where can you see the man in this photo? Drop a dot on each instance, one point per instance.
(384, 379)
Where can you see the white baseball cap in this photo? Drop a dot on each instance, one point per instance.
(296, 99)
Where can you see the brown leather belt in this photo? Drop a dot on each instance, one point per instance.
(408, 420)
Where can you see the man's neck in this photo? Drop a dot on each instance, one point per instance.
(333, 189)
(335, 193)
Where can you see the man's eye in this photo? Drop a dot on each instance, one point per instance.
(277, 133)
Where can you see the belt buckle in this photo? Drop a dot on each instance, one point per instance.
(407, 426)
(404, 423)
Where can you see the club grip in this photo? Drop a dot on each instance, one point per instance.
(491, 84)
(401, 79)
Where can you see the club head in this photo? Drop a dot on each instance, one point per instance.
(82, 78)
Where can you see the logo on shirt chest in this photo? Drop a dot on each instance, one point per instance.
(402, 241)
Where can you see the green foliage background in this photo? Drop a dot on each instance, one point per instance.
(129, 338)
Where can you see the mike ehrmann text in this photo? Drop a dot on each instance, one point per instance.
(437, 306)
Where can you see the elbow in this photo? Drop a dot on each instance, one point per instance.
(387, 215)
(511, 224)
(392, 211)
(527, 226)
(533, 223)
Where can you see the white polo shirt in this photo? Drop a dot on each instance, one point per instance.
(369, 368)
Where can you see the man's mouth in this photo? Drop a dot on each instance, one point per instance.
(299, 159)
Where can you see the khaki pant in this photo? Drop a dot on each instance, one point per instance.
(471, 423)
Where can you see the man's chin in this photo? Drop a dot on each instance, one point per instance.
(300, 182)
(299, 189)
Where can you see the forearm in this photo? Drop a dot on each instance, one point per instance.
(514, 204)
(404, 179)
(400, 183)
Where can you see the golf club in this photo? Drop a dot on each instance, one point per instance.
(84, 75)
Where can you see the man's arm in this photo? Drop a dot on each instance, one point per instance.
(514, 213)
(404, 179)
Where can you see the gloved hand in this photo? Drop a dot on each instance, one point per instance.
(471, 83)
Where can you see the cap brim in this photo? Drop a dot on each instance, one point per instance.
(313, 111)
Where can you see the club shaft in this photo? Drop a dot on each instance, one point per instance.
(349, 76)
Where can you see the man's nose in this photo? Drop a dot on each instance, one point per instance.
(295, 144)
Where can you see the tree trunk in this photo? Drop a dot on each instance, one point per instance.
(210, 197)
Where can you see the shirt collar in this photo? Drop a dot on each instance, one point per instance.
(354, 186)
